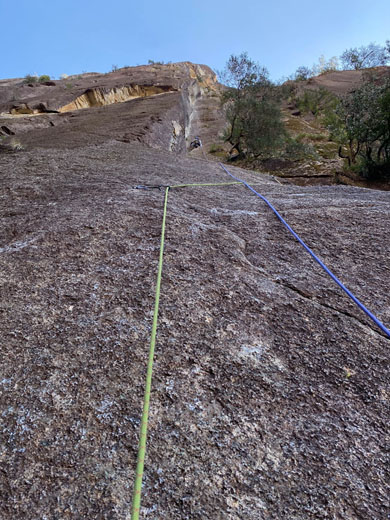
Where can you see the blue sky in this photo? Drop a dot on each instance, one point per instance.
(55, 37)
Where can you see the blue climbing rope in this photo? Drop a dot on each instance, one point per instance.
(328, 271)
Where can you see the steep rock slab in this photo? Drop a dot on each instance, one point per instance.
(270, 394)
(150, 120)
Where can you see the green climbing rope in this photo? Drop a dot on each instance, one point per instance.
(146, 405)
(204, 184)
(145, 413)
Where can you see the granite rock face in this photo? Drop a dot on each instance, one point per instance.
(271, 388)
(145, 103)
(138, 80)
(342, 82)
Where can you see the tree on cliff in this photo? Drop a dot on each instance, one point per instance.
(361, 126)
(372, 55)
(302, 73)
(255, 126)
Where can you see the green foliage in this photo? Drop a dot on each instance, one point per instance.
(255, 127)
(303, 73)
(372, 170)
(316, 102)
(295, 150)
(311, 136)
(327, 150)
(69, 86)
(335, 121)
(28, 78)
(372, 55)
(241, 73)
(285, 91)
(43, 78)
(358, 123)
(361, 126)
(216, 148)
(152, 62)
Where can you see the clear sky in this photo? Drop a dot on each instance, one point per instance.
(55, 37)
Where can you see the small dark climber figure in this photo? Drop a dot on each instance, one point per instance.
(196, 143)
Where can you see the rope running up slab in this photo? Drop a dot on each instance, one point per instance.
(328, 271)
(148, 385)
(145, 413)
